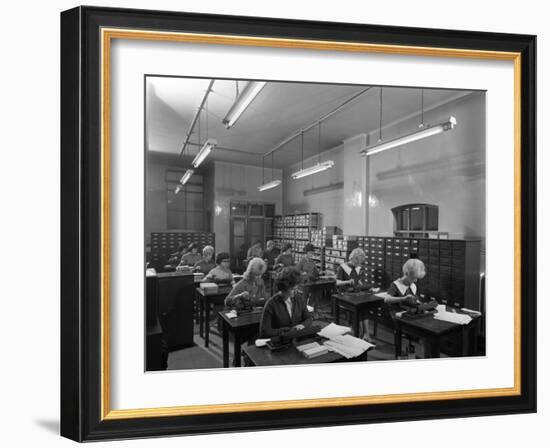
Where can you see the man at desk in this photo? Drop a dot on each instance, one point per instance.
(285, 311)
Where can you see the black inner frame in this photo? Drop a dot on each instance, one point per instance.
(80, 223)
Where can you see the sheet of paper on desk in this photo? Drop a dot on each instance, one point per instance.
(468, 310)
(382, 295)
(455, 318)
(332, 330)
(261, 342)
(348, 346)
(231, 314)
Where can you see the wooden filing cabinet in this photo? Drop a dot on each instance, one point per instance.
(174, 297)
(453, 271)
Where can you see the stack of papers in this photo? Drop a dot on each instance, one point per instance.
(333, 330)
(312, 350)
(231, 314)
(208, 287)
(455, 318)
(348, 346)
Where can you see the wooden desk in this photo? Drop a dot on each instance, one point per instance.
(317, 289)
(243, 327)
(263, 356)
(356, 303)
(431, 331)
(206, 300)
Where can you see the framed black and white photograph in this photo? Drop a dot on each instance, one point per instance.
(276, 224)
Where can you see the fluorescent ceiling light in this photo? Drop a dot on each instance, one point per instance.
(242, 102)
(208, 146)
(186, 177)
(313, 169)
(269, 185)
(418, 135)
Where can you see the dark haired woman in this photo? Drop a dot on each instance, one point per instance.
(286, 258)
(222, 272)
(285, 310)
(192, 257)
(307, 265)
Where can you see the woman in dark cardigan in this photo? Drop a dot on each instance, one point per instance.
(285, 311)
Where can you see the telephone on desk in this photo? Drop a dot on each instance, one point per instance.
(284, 341)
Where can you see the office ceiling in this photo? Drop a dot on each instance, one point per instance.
(280, 109)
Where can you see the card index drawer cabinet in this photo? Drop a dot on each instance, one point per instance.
(165, 243)
(452, 267)
(453, 272)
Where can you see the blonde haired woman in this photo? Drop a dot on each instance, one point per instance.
(404, 289)
(250, 291)
(351, 275)
(207, 263)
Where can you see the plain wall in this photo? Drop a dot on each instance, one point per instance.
(327, 202)
(447, 170)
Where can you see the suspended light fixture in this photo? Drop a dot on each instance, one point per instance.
(418, 135)
(206, 149)
(242, 102)
(269, 185)
(208, 146)
(185, 178)
(273, 183)
(318, 167)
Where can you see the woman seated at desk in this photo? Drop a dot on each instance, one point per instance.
(175, 257)
(351, 275)
(307, 266)
(285, 259)
(255, 251)
(404, 289)
(270, 254)
(206, 264)
(192, 257)
(285, 311)
(250, 291)
(222, 272)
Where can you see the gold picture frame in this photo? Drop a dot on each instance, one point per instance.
(107, 32)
